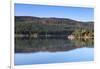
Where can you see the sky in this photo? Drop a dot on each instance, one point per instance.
(75, 13)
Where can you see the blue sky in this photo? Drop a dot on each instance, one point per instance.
(75, 13)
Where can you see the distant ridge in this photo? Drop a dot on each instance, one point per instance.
(63, 23)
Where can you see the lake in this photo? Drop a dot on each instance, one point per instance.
(52, 50)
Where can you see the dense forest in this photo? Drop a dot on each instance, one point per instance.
(52, 27)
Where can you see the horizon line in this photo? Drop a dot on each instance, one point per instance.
(57, 17)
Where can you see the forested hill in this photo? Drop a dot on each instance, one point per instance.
(51, 20)
(37, 24)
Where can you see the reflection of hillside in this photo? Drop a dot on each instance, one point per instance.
(85, 42)
(35, 45)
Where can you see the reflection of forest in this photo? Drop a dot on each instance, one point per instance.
(52, 45)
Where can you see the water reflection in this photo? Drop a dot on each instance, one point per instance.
(50, 44)
(52, 50)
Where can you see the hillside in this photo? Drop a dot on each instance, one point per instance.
(30, 25)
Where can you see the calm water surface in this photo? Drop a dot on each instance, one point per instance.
(44, 51)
